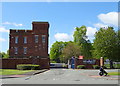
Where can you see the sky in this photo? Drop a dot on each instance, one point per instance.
(63, 17)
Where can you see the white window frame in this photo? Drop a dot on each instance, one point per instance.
(16, 39)
(43, 38)
(25, 50)
(25, 40)
(16, 50)
(36, 38)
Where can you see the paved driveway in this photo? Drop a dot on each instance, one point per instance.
(64, 76)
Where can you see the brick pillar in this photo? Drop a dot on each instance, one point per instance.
(101, 61)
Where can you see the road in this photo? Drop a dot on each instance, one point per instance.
(63, 76)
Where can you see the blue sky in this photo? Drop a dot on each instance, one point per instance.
(62, 16)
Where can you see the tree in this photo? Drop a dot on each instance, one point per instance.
(80, 39)
(56, 50)
(105, 43)
(0, 55)
(70, 50)
(4, 55)
(118, 47)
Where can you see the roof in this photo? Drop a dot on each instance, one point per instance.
(37, 22)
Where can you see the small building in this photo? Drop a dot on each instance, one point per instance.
(29, 43)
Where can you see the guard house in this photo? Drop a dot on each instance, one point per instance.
(29, 43)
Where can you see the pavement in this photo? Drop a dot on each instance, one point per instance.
(95, 74)
(23, 75)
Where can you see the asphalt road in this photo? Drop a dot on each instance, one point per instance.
(63, 76)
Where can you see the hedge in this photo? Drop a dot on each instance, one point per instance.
(81, 67)
(28, 67)
(117, 66)
(107, 66)
(96, 67)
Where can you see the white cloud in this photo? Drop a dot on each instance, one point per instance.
(99, 25)
(110, 18)
(2, 40)
(62, 37)
(91, 32)
(17, 24)
(9, 23)
(2, 29)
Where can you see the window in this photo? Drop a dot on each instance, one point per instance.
(16, 50)
(36, 38)
(16, 30)
(25, 40)
(25, 50)
(43, 38)
(16, 39)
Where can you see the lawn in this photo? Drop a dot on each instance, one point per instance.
(113, 73)
(13, 71)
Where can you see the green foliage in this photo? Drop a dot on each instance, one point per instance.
(13, 72)
(56, 50)
(81, 67)
(70, 50)
(105, 43)
(117, 66)
(80, 39)
(104, 67)
(64, 66)
(107, 66)
(28, 67)
(118, 47)
(114, 73)
(53, 62)
(79, 35)
(4, 55)
(96, 67)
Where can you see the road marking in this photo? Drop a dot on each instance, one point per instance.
(28, 77)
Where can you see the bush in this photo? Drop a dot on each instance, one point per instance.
(53, 62)
(107, 66)
(65, 66)
(28, 67)
(81, 67)
(96, 67)
(117, 66)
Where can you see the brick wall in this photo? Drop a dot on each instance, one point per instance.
(13, 62)
(39, 49)
(89, 66)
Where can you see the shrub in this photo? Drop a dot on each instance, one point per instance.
(107, 66)
(28, 67)
(81, 67)
(53, 62)
(117, 66)
(96, 67)
(65, 66)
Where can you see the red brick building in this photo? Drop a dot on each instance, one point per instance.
(30, 43)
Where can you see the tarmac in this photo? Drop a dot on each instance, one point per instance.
(90, 74)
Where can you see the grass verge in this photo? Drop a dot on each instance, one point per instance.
(13, 71)
(113, 73)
